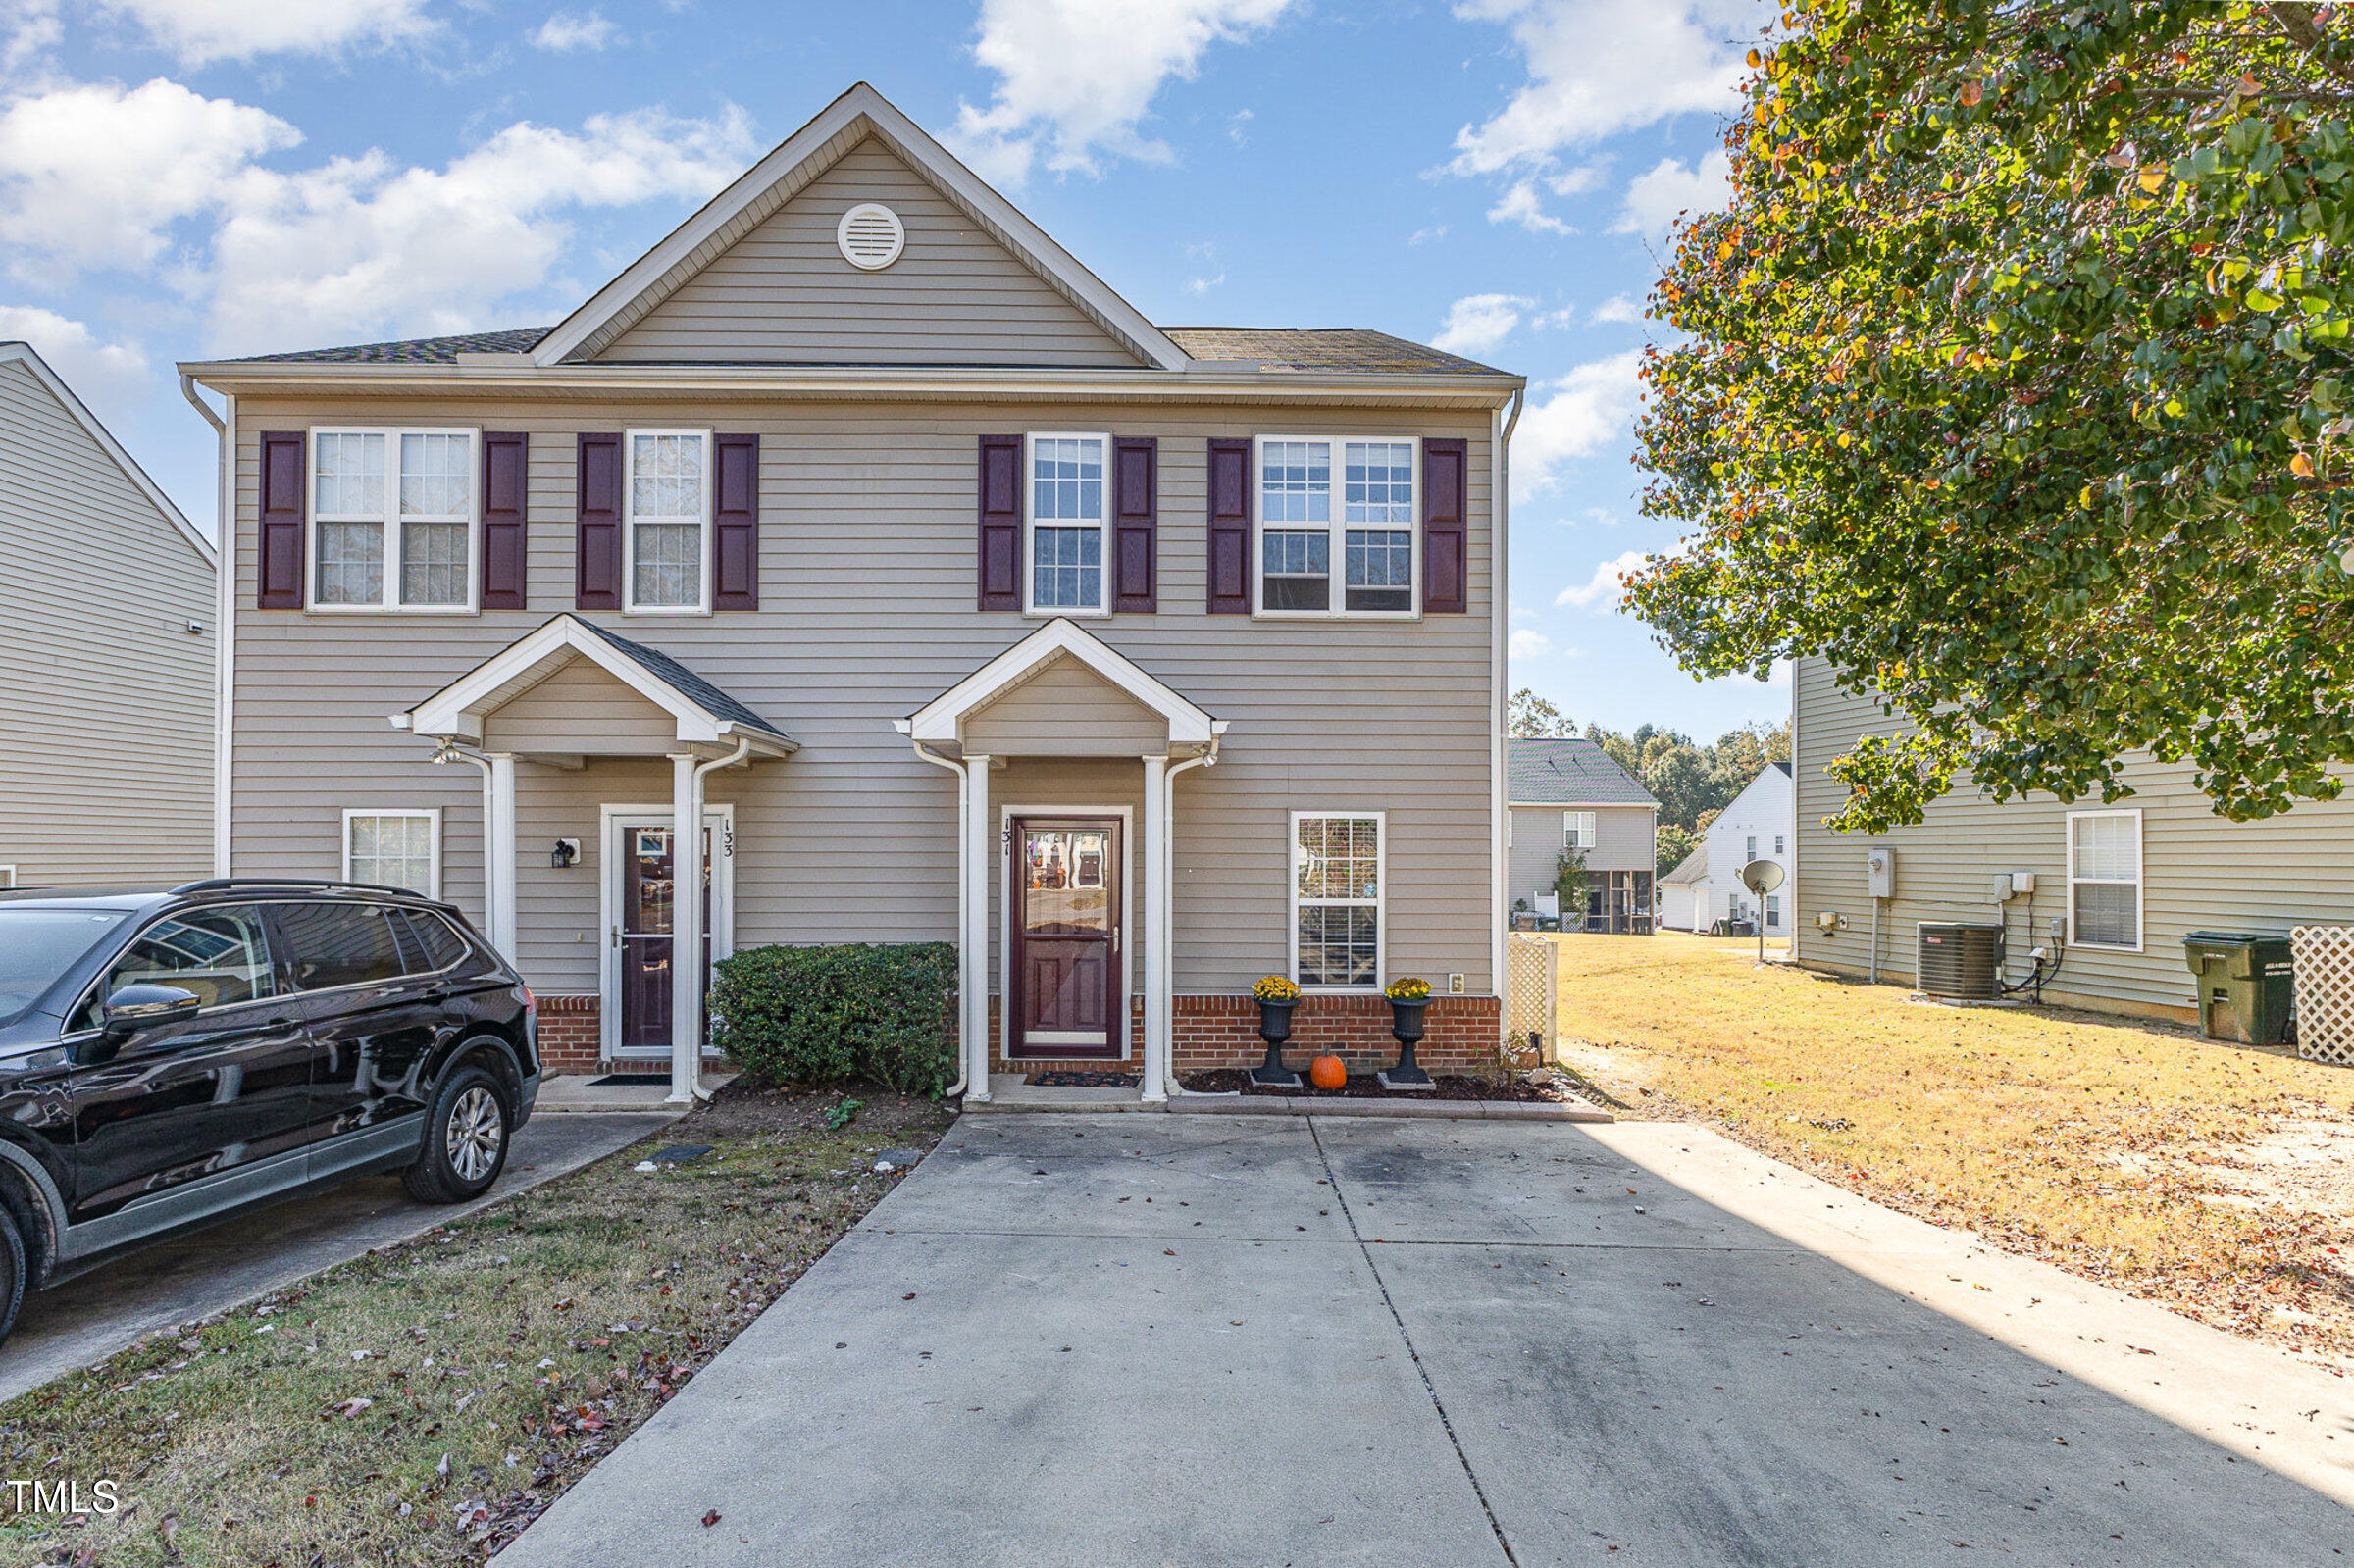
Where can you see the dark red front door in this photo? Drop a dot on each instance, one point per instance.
(644, 935)
(1066, 938)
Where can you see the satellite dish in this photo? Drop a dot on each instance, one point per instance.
(1761, 877)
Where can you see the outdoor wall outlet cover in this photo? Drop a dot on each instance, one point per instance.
(1454, 984)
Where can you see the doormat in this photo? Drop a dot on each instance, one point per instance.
(628, 1079)
(1086, 1079)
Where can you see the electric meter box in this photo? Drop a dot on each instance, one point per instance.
(1880, 868)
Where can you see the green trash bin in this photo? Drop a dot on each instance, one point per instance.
(2245, 982)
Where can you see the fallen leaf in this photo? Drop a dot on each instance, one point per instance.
(711, 1519)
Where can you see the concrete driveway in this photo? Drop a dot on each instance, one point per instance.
(1205, 1339)
(92, 1315)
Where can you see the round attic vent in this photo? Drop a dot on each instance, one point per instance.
(871, 236)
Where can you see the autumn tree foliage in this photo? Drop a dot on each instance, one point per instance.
(2014, 382)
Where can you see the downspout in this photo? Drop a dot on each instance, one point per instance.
(451, 751)
(1499, 719)
(225, 642)
(1165, 902)
(684, 836)
(964, 1055)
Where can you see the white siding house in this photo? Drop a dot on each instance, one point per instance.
(1759, 824)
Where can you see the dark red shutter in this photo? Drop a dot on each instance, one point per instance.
(1136, 523)
(1230, 528)
(277, 583)
(507, 456)
(597, 540)
(735, 523)
(1000, 522)
(1446, 536)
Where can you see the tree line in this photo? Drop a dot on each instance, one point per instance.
(1691, 781)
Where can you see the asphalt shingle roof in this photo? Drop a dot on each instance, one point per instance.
(1569, 773)
(698, 691)
(1693, 868)
(412, 350)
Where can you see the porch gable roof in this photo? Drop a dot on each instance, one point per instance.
(942, 718)
(704, 714)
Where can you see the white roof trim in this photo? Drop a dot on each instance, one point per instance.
(23, 354)
(860, 110)
(943, 717)
(458, 709)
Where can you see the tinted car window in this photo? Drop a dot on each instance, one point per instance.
(219, 954)
(38, 945)
(331, 945)
(442, 945)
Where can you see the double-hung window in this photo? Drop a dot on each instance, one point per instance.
(666, 538)
(393, 520)
(1067, 482)
(1578, 830)
(1337, 908)
(394, 848)
(2104, 879)
(1336, 526)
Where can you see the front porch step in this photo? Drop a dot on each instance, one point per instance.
(1008, 1091)
(572, 1091)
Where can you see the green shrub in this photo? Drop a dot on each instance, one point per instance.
(822, 1015)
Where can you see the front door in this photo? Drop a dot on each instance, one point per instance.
(644, 894)
(1066, 938)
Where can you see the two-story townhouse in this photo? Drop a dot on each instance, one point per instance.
(1570, 794)
(1705, 891)
(107, 635)
(860, 523)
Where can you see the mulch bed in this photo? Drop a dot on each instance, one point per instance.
(1076, 1079)
(1366, 1086)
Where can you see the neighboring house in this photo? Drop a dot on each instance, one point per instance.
(958, 601)
(107, 636)
(1570, 794)
(2116, 886)
(1755, 825)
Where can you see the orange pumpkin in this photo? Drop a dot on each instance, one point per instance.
(1328, 1072)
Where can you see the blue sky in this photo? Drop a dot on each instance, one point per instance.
(180, 179)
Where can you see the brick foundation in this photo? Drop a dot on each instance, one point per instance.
(570, 1039)
(1460, 1033)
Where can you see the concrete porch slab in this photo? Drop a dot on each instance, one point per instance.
(1424, 1110)
(573, 1091)
(1008, 1091)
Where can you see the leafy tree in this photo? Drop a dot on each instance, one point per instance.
(1533, 718)
(1569, 881)
(2016, 384)
(1671, 844)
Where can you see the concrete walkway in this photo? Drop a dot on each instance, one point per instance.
(195, 1274)
(1129, 1340)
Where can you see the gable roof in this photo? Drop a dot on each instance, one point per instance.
(853, 118)
(941, 719)
(17, 353)
(409, 350)
(1570, 771)
(1324, 348)
(1693, 868)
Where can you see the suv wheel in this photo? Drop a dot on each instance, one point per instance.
(465, 1140)
(12, 1271)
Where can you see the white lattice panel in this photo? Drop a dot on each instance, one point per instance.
(1530, 987)
(2324, 956)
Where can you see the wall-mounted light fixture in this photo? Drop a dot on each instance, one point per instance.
(566, 854)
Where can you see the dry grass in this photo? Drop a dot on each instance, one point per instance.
(2139, 1155)
(421, 1405)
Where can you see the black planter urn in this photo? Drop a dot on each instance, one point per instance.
(1275, 1027)
(1405, 1028)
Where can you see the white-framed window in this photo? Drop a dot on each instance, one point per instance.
(394, 846)
(393, 520)
(1777, 845)
(1774, 911)
(1068, 480)
(1337, 520)
(1751, 853)
(1578, 830)
(666, 525)
(2104, 879)
(1337, 891)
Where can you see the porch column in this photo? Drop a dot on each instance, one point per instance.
(1156, 859)
(977, 853)
(499, 854)
(685, 929)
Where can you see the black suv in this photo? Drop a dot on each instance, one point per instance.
(168, 1056)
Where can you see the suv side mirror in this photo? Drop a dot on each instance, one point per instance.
(145, 1006)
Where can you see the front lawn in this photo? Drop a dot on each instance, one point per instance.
(423, 1404)
(2217, 1179)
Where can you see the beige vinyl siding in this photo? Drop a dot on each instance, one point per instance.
(1621, 842)
(2198, 870)
(867, 588)
(783, 293)
(577, 706)
(107, 706)
(1065, 710)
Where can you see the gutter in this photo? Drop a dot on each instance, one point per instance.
(964, 1047)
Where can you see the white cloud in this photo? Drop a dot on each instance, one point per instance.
(1597, 67)
(565, 31)
(1237, 124)
(1521, 204)
(31, 28)
(1478, 322)
(1424, 236)
(1077, 75)
(1203, 286)
(1604, 591)
(1619, 308)
(1579, 415)
(87, 365)
(201, 30)
(94, 174)
(1671, 188)
(1527, 644)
